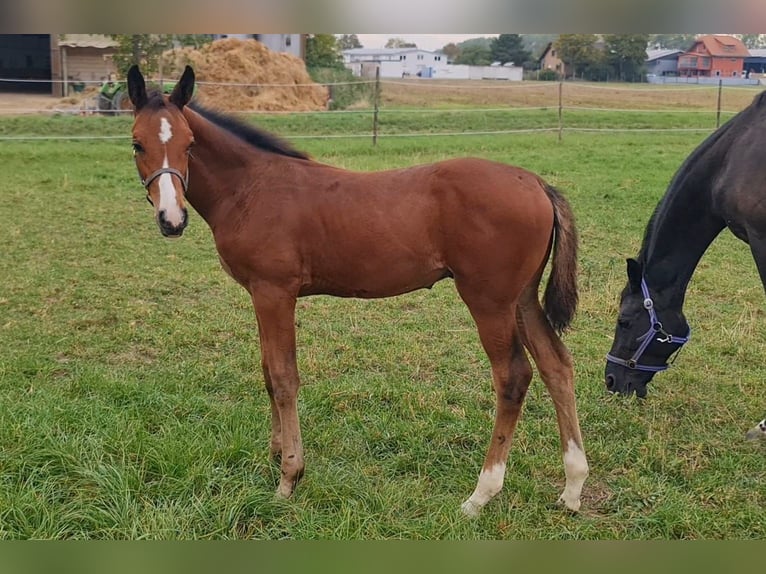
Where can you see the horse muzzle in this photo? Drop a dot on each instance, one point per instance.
(625, 383)
(170, 230)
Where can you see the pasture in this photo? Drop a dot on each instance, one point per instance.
(132, 403)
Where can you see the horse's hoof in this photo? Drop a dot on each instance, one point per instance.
(573, 505)
(284, 491)
(470, 509)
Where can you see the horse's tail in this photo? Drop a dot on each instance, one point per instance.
(561, 297)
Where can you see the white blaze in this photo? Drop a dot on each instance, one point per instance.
(173, 213)
(166, 131)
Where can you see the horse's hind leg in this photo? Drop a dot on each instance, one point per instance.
(555, 365)
(511, 374)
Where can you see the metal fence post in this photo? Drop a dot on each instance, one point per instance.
(718, 107)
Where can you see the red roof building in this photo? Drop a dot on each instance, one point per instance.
(714, 56)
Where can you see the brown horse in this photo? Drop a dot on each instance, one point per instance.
(286, 226)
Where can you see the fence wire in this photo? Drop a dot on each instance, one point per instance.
(515, 108)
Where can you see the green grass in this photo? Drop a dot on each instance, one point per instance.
(132, 403)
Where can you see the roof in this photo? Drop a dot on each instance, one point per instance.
(547, 49)
(381, 51)
(726, 46)
(758, 52)
(652, 55)
(87, 41)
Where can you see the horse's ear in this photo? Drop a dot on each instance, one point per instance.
(136, 87)
(635, 274)
(184, 89)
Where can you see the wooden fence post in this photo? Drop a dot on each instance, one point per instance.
(375, 112)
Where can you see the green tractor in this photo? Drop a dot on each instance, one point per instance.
(113, 97)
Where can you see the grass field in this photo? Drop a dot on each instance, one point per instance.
(132, 403)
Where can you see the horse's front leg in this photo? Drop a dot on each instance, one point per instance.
(275, 310)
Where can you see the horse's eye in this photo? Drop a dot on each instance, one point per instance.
(190, 148)
(137, 147)
(624, 323)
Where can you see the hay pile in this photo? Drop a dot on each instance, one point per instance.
(233, 60)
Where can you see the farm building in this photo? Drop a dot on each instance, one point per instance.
(58, 64)
(714, 56)
(26, 63)
(84, 58)
(415, 62)
(662, 62)
(755, 63)
(549, 59)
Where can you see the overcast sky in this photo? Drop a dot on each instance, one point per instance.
(425, 41)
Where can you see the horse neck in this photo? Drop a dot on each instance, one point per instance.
(681, 229)
(216, 158)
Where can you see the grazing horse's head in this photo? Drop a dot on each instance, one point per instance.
(643, 342)
(162, 142)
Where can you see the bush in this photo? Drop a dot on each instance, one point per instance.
(548, 75)
(346, 94)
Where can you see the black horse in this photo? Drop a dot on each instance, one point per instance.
(719, 185)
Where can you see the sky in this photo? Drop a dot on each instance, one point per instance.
(425, 41)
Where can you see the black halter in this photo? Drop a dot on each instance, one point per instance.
(169, 170)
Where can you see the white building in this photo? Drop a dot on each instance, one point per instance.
(414, 62)
(394, 62)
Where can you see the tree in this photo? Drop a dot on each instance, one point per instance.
(672, 41)
(399, 43)
(509, 48)
(474, 55)
(626, 54)
(322, 51)
(452, 51)
(194, 40)
(349, 41)
(146, 49)
(578, 52)
(141, 49)
(752, 40)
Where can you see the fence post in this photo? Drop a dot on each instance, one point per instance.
(718, 107)
(561, 122)
(375, 112)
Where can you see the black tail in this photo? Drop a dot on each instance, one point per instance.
(561, 297)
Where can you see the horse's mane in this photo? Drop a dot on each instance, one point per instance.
(244, 131)
(249, 133)
(722, 137)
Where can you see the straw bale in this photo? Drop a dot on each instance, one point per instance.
(239, 61)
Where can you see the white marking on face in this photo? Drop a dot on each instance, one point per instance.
(489, 484)
(576, 470)
(173, 212)
(166, 132)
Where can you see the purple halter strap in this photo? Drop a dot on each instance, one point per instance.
(654, 327)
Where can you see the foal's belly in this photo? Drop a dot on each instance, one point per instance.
(376, 284)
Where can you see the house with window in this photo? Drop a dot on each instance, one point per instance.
(417, 63)
(549, 59)
(395, 62)
(714, 56)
